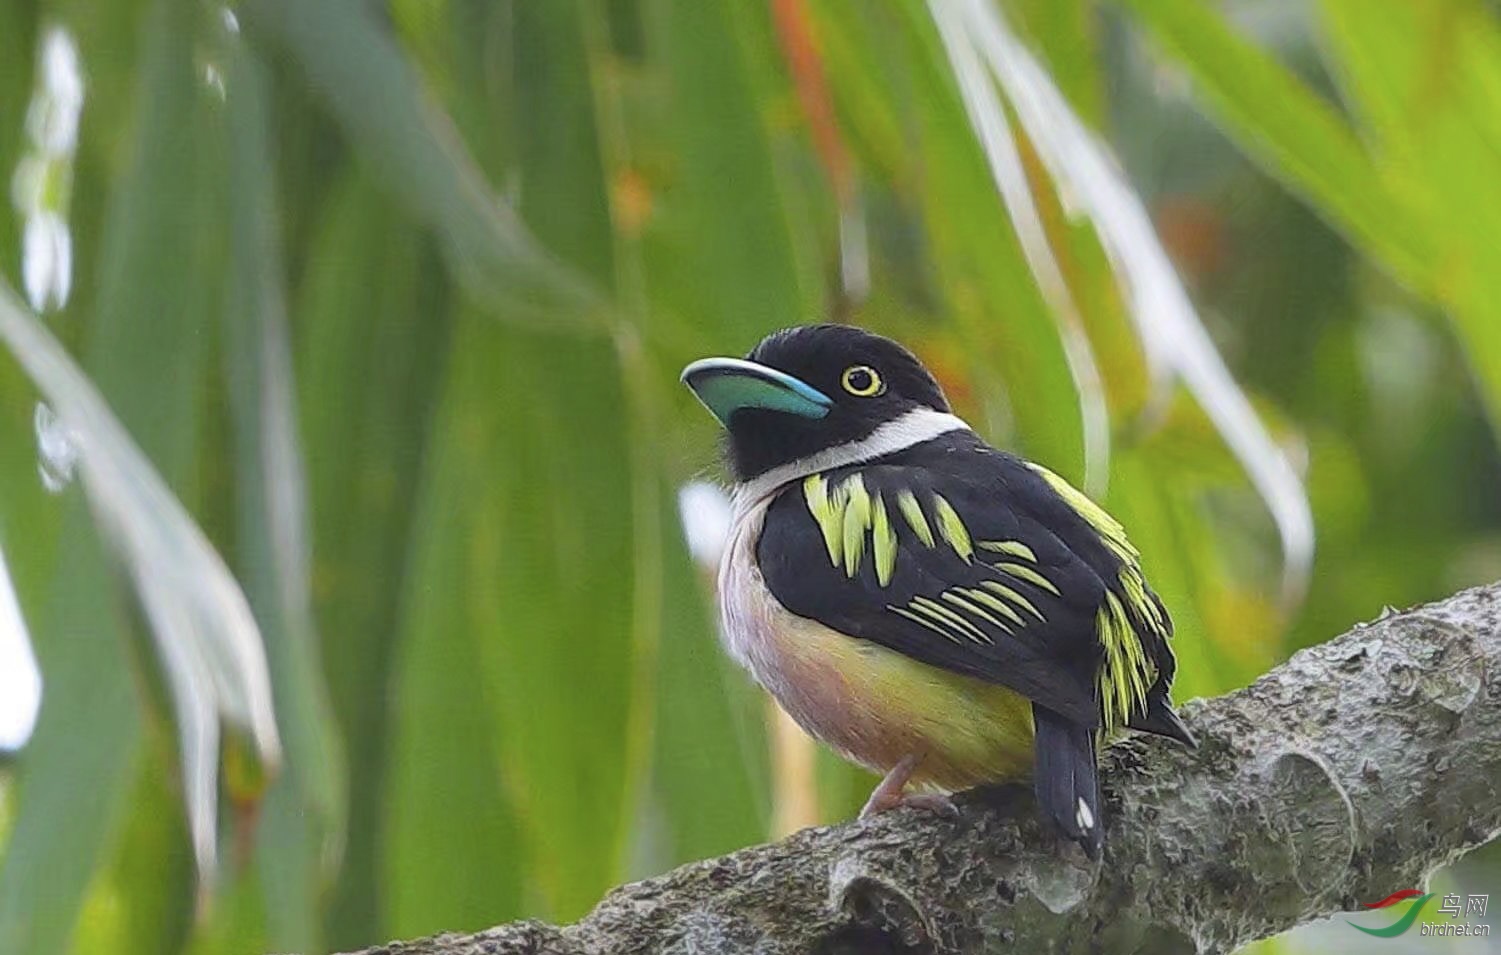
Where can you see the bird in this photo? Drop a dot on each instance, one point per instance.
(943, 612)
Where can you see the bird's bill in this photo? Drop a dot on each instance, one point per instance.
(727, 385)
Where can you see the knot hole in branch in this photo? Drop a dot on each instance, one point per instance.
(877, 919)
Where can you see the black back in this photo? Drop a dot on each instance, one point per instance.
(1054, 661)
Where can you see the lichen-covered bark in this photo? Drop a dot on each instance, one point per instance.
(1351, 771)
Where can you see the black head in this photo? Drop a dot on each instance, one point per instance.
(805, 389)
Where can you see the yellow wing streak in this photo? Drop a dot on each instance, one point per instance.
(1002, 590)
(1023, 572)
(915, 618)
(943, 617)
(907, 502)
(951, 526)
(827, 509)
(974, 610)
(996, 604)
(1136, 596)
(856, 521)
(1109, 528)
(882, 541)
(1127, 672)
(1010, 549)
(938, 610)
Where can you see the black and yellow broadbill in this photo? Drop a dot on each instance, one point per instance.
(935, 609)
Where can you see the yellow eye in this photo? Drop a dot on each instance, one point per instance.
(862, 381)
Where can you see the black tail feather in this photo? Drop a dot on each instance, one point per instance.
(1066, 779)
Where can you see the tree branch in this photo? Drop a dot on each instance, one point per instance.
(1351, 771)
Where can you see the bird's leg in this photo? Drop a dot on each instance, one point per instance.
(891, 792)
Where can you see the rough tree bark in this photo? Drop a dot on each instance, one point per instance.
(1349, 772)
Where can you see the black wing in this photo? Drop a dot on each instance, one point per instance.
(957, 555)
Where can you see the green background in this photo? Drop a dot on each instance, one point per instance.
(453, 253)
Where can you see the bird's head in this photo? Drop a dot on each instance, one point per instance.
(811, 389)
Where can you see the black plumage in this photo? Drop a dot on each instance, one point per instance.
(879, 516)
(1055, 662)
(997, 498)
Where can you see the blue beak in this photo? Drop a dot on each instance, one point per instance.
(726, 385)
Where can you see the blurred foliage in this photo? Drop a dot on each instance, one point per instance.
(394, 297)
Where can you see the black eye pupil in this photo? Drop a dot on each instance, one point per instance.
(860, 379)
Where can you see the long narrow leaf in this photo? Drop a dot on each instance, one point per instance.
(1170, 329)
(301, 825)
(1423, 80)
(209, 643)
(994, 130)
(1277, 119)
(373, 330)
(454, 853)
(1017, 363)
(739, 268)
(403, 134)
(158, 270)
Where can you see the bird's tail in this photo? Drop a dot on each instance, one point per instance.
(1066, 778)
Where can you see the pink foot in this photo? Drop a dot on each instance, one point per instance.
(891, 793)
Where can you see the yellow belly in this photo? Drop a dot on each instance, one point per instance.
(876, 706)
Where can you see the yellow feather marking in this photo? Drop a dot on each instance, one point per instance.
(828, 511)
(941, 617)
(922, 620)
(907, 502)
(856, 521)
(1109, 528)
(998, 605)
(1023, 572)
(951, 526)
(1127, 672)
(1009, 548)
(883, 541)
(1136, 598)
(937, 609)
(1002, 590)
(970, 607)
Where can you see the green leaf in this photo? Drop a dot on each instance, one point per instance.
(374, 329)
(453, 858)
(530, 597)
(146, 353)
(301, 823)
(585, 603)
(738, 272)
(992, 126)
(1174, 338)
(1424, 81)
(1300, 138)
(1064, 34)
(70, 792)
(411, 143)
(990, 291)
(140, 901)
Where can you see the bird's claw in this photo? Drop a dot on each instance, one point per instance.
(936, 803)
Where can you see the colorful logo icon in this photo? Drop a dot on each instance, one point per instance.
(1402, 924)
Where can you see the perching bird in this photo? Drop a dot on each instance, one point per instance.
(935, 609)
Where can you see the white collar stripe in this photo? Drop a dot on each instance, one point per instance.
(914, 427)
